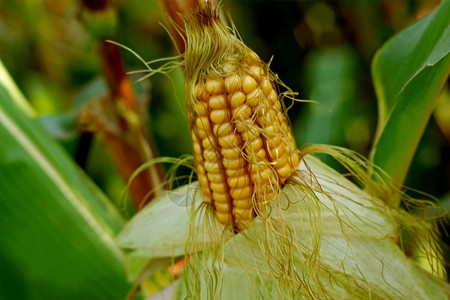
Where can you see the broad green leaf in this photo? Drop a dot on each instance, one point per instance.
(408, 74)
(57, 228)
(331, 81)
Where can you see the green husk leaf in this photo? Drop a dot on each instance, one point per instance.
(408, 73)
(162, 227)
(342, 244)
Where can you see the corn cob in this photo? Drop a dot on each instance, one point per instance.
(243, 146)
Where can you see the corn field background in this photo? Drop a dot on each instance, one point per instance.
(57, 226)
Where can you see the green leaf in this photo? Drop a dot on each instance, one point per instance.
(408, 74)
(331, 81)
(57, 228)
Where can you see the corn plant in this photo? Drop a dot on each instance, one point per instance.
(265, 219)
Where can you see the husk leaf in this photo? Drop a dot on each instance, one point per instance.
(341, 244)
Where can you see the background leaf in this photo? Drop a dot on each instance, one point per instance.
(57, 228)
(408, 74)
(331, 80)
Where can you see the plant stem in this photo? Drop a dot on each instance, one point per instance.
(127, 141)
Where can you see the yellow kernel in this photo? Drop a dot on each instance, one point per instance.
(218, 101)
(198, 157)
(228, 141)
(196, 147)
(272, 97)
(255, 145)
(210, 155)
(231, 153)
(218, 187)
(222, 129)
(255, 97)
(272, 130)
(236, 172)
(206, 195)
(233, 83)
(295, 160)
(243, 213)
(261, 154)
(200, 92)
(220, 197)
(256, 72)
(261, 175)
(250, 134)
(212, 166)
(203, 180)
(241, 193)
(243, 112)
(200, 169)
(223, 218)
(203, 123)
(273, 141)
(233, 163)
(214, 177)
(238, 181)
(222, 207)
(202, 133)
(201, 108)
(237, 99)
(281, 162)
(214, 86)
(249, 84)
(193, 136)
(243, 203)
(268, 118)
(277, 107)
(276, 153)
(207, 143)
(266, 86)
(219, 116)
(285, 171)
(243, 125)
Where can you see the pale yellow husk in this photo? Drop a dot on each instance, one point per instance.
(324, 239)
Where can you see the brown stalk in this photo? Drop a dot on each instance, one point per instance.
(118, 120)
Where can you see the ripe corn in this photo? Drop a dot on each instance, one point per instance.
(243, 146)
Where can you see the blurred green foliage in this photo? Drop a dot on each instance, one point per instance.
(321, 49)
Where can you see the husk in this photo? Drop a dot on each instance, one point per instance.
(341, 244)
